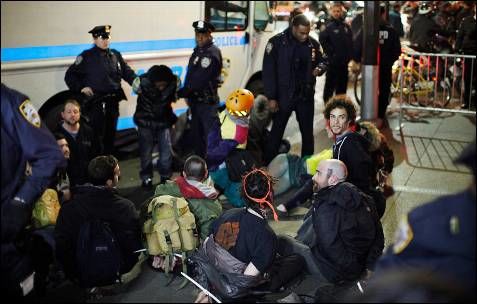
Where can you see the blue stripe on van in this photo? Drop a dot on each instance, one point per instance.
(128, 123)
(73, 50)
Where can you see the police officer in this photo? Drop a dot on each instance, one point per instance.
(439, 236)
(97, 74)
(201, 83)
(422, 29)
(291, 63)
(337, 42)
(390, 49)
(24, 139)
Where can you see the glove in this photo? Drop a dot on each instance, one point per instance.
(15, 216)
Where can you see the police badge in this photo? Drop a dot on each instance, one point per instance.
(196, 59)
(205, 62)
(269, 48)
(78, 60)
(29, 113)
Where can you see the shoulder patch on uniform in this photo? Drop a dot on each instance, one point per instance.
(403, 236)
(269, 48)
(29, 113)
(205, 62)
(78, 60)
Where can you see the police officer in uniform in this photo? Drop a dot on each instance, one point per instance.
(291, 64)
(337, 42)
(97, 73)
(439, 236)
(24, 139)
(389, 50)
(201, 84)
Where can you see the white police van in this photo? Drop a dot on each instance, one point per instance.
(40, 39)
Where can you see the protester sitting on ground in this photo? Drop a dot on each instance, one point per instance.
(341, 236)
(197, 188)
(227, 139)
(62, 182)
(381, 155)
(98, 200)
(83, 143)
(154, 117)
(440, 236)
(243, 237)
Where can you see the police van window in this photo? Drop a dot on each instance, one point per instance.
(262, 15)
(227, 15)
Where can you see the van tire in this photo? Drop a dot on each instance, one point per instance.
(256, 87)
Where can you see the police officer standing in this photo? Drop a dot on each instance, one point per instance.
(97, 73)
(390, 49)
(291, 64)
(201, 84)
(337, 42)
(24, 139)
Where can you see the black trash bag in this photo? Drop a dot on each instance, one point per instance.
(220, 273)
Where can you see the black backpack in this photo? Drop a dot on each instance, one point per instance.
(239, 162)
(98, 255)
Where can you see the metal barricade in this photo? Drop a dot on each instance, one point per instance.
(434, 82)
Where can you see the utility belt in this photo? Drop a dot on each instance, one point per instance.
(205, 97)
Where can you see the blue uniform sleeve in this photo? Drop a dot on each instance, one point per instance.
(270, 70)
(127, 73)
(40, 150)
(325, 43)
(75, 74)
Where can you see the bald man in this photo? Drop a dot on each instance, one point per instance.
(343, 237)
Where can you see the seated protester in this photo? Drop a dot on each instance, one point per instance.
(226, 136)
(83, 143)
(344, 237)
(154, 118)
(244, 234)
(98, 200)
(199, 192)
(381, 155)
(260, 118)
(62, 182)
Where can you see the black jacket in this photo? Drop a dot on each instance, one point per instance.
(422, 29)
(106, 205)
(83, 149)
(337, 42)
(353, 149)
(349, 235)
(466, 40)
(153, 107)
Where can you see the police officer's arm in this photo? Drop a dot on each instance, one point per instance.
(75, 74)
(460, 36)
(396, 44)
(270, 70)
(358, 46)
(127, 73)
(42, 152)
(325, 43)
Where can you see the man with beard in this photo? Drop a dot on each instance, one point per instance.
(83, 143)
(343, 236)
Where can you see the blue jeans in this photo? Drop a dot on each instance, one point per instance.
(148, 137)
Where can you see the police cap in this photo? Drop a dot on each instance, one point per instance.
(101, 30)
(202, 26)
(467, 157)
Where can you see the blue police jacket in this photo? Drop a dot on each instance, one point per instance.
(440, 237)
(203, 71)
(337, 42)
(281, 71)
(25, 138)
(101, 70)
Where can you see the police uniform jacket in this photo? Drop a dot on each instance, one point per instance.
(348, 234)
(421, 31)
(439, 236)
(337, 42)
(466, 40)
(203, 74)
(101, 70)
(83, 149)
(105, 204)
(288, 68)
(25, 138)
(153, 107)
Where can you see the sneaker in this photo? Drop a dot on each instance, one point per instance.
(147, 183)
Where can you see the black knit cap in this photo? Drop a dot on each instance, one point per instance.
(160, 73)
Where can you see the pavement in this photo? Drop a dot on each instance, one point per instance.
(423, 170)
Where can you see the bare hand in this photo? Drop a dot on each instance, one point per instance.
(202, 298)
(273, 104)
(66, 195)
(329, 132)
(87, 91)
(316, 72)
